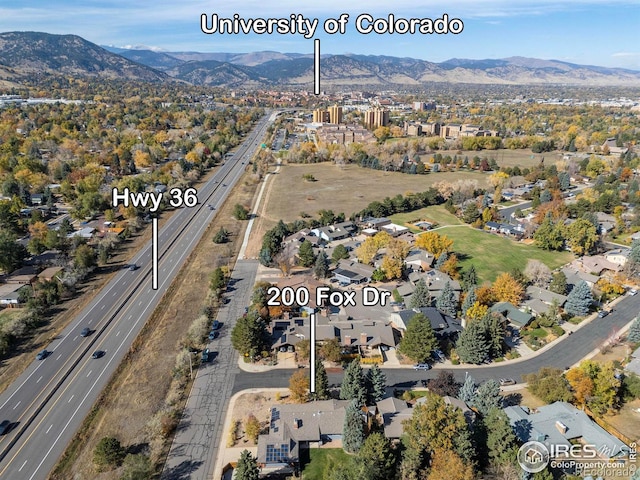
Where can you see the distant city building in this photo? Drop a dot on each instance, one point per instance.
(422, 106)
(335, 114)
(377, 117)
(331, 115)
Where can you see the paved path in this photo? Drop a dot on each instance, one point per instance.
(197, 440)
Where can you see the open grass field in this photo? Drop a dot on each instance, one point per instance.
(492, 254)
(435, 213)
(321, 460)
(9, 314)
(345, 189)
(504, 157)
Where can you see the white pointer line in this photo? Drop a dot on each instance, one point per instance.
(155, 254)
(316, 66)
(312, 360)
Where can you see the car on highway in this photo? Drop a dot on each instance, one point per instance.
(133, 267)
(602, 313)
(86, 331)
(507, 381)
(422, 366)
(42, 355)
(4, 426)
(98, 354)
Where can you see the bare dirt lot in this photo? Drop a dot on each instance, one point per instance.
(345, 189)
(142, 382)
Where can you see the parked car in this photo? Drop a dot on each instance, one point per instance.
(632, 292)
(421, 366)
(4, 426)
(205, 355)
(98, 354)
(216, 325)
(86, 331)
(602, 313)
(42, 355)
(213, 334)
(507, 381)
(424, 383)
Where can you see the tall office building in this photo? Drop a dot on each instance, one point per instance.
(335, 114)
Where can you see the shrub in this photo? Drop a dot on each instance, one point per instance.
(108, 452)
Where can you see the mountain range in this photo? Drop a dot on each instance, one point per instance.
(23, 53)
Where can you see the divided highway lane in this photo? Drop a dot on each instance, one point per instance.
(127, 298)
(564, 354)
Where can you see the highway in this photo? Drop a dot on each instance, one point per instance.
(49, 401)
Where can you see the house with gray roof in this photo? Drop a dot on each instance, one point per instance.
(634, 365)
(512, 314)
(575, 276)
(540, 299)
(563, 424)
(393, 413)
(349, 272)
(442, 325)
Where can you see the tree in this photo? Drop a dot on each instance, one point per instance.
(549, 385)
(377, 383)
(501, 441)
(108, 452)
(353, 430)
(476, 311)
(353, 384)
(247, 467)
(634, 331)
(12, 253)
(469, 279)
(339, 253)
(252, 427)
(582, 236)
(468, 389)
(420, 296)
(472, 345)
(367, 250)
(376, 458)
(85, 257)
(321, 267)
(331, 350)
(444, 384)
(322, 382)
(419, 340)
(217, 280)
(249, 335)
(137, 467)
(537, 273)
(507, 289)
(446, 301)
(470, 213)
(299, 386)
(469, 299)
(549, 236)
(447, 465)
(487, 397)
(559, 283)
(222, 236)
(306, 255)
(581, 384)
(240, 213)
(435, 243)
(579, 300)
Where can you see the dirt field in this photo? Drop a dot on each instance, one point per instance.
(345, 189)
(132, 397)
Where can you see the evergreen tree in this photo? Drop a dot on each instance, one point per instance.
(467, 391)
(222, 236)
(441, 260)
(501, 441)
(469, 300)
(488, 397)
(420, 296)
(446, 301)
(353, 384)
(306, 255)
(494, 331)
(634, 331)
(339, 253)
(321, 267)
(472, 345)
(376, 460)
(469, 279)
(353, 430)
(247, 467)
(559, 283)
(322, 383)
(579, 300)
(376, 383)
(419, 340)
(470, 213)
(249, 335)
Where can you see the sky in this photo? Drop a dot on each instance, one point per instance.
(588, 32)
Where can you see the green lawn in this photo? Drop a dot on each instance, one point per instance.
(321, 460)
(435, 213)
(10, 313)
(492, 254)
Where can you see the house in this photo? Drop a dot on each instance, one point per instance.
(634, 365)
(393, 229)
(436, 280)
(563, 424)
(442, 325)
(293, 427)
(86, 232)
(332, 232)
(469, 415)
(512, 314)
(10, 294)
(594, 264)
(23, 276)
(419, 260)
(376, 223)
(393, 413)
(575, 276)
(493, 226)
(606, 222)
(619, 256)
(350, 272)
(49, 274)
(546, 296)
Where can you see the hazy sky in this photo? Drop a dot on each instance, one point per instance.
(594, 32)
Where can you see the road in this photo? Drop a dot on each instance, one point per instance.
(564, 354)
(48, 402)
